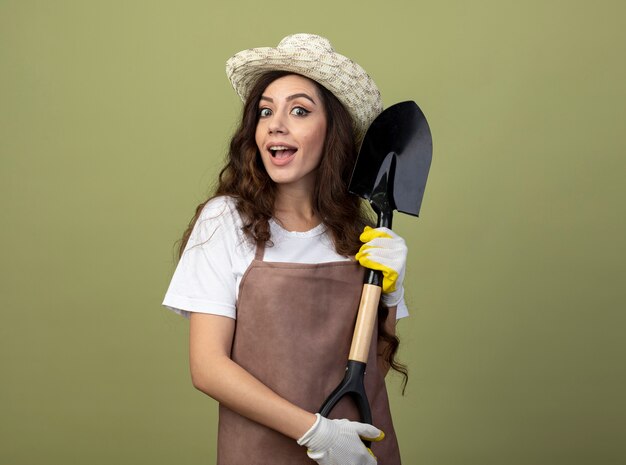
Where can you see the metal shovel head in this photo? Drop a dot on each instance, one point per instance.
(393, 163)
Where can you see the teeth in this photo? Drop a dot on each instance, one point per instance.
(279, 147)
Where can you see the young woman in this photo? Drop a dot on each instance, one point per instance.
(267, 271)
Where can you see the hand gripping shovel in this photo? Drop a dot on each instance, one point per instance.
(390, 172)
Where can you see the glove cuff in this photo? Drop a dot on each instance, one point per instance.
(320, 436)
(306, 437)
(393, 299)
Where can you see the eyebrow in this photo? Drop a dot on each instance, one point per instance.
(290, 98)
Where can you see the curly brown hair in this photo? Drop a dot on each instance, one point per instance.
(245, 180)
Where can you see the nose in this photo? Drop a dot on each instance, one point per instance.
(276, 125)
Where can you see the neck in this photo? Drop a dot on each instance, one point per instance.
(293, 208)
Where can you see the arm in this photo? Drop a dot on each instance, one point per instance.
(214, 373)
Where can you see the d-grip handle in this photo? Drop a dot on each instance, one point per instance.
(352, 385)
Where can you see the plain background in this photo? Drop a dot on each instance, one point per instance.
(114, 118)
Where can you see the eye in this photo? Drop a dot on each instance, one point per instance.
(264, 112)
(299, 111)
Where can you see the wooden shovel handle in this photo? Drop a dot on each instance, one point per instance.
(365, 321)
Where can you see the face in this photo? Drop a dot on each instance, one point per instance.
(291, 130)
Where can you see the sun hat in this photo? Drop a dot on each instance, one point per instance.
(311, 56)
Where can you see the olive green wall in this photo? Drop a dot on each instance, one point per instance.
(114, 116)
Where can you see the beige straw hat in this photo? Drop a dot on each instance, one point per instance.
(314, 57)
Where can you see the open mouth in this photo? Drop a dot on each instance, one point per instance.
(282, 151)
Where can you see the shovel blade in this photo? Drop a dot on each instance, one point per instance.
(394, 160)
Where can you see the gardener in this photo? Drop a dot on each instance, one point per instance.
(267, 271)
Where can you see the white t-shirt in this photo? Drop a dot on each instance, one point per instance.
(218, 254)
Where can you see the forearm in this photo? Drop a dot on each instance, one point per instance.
(231, 385)
(216, 374)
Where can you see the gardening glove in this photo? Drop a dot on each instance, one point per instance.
(338, 442)
(385, 251)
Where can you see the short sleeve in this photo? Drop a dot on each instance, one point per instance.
(204, 281)
(402, 311)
